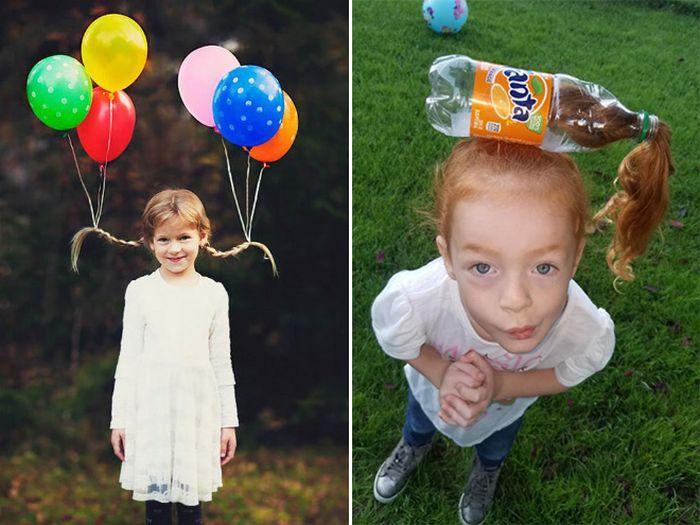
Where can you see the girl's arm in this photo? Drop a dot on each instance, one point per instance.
(461, 385)
(431, 364)
(530, 383)
(220, 359)
(444, 374)
(129, 352)
(465, 407)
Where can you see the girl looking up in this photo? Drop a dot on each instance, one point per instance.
(497, 320)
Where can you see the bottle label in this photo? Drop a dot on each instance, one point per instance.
(510, 104)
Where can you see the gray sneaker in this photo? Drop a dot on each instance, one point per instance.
(392, 476)
(478, 494)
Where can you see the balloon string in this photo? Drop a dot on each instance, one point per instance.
(82, 183)
(255, 200)
(101, 190)
(233, 190)
(247, 193)
(103, 168)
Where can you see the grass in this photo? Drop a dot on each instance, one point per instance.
(264, 486)
(57, 465)
(624, 447)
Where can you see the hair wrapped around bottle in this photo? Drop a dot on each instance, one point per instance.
(640, 204)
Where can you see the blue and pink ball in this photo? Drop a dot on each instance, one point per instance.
(445, 16)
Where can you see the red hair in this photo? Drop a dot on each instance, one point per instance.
(479, 166)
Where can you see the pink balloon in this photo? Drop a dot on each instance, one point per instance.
(198, 77)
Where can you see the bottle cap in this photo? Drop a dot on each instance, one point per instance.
(650, 123)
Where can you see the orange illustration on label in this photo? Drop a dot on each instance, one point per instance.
(510, 104)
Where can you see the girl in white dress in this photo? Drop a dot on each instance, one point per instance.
(497, 319)
(174, 411)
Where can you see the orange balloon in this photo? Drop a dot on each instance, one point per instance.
(278, 146)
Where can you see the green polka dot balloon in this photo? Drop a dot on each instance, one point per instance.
(59, 91)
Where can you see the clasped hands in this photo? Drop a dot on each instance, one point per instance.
(466, 390)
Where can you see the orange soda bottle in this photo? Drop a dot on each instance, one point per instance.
(470, 98)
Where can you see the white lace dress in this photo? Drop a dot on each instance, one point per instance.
(174, 389)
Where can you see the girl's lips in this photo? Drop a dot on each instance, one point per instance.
(522, 333)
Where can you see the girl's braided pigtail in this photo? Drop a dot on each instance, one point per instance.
(240, 248)
(79, 237)
(638, 208)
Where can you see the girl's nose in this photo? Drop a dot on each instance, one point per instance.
(515, 295)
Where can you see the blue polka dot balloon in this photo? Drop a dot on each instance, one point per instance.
(445, 16)
(248, 106)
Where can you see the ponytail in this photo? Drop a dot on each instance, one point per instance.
(638, 208)
(79, 237)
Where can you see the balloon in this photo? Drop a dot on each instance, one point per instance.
(278, 146)
(59, 91)
(94, 131)
(198, 77)
(248, 106)
(114, 51)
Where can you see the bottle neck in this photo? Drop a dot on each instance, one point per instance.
(647, 125)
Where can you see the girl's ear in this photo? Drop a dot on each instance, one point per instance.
(445, 253)
(579, 254)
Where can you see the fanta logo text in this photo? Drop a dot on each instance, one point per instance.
(520, 94)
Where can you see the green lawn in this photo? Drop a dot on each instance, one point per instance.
(624, 447)
(298, 486)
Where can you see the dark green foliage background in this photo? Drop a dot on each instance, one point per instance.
(59, 332)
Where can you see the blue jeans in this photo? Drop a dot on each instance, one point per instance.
(418, 430)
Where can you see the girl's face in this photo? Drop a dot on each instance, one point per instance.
(176, 245)
(512, 259)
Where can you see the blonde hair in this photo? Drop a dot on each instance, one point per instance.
(163, 206)
(479, 166)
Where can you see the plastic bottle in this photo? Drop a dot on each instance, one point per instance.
(555, 112)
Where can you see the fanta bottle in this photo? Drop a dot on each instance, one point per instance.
(555, 112)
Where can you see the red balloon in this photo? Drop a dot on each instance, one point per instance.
(94, 132)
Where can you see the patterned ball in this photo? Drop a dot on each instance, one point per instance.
(445, 16)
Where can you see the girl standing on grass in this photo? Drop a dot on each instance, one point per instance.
(174, 410)
(497, 319)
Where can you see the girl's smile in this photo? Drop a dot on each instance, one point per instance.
(176, 246)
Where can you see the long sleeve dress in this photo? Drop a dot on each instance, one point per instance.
(174, 389)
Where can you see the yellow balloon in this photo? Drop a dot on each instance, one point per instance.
(114, 51)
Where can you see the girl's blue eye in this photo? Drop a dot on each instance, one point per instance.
(482, 268)
(544, 269)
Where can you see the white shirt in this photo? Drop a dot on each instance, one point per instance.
(423, 306)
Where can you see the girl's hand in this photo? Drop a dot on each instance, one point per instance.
(460, 385)
(228, 444)
(118, 440)
(463, 406)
